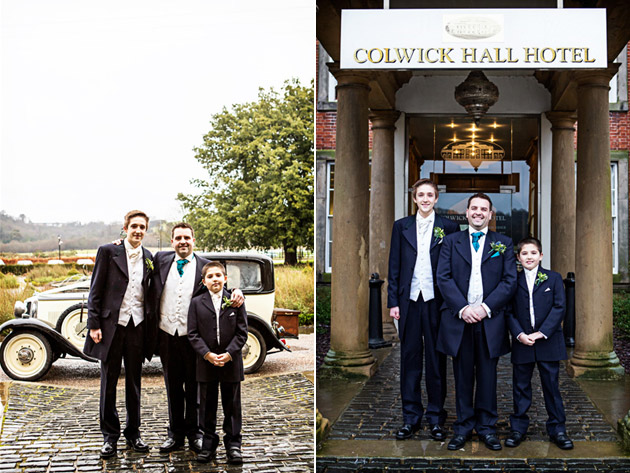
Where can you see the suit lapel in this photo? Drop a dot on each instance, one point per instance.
(409, 231)
(120, 258)
(206, 299)
(146, 255)
(198, 284)
(487, 249)
(437, 223)
(463, 246)
(224, 309)
(166, 267)
(537, 286)
(522, 281)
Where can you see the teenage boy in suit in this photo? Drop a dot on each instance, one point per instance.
(218, 331)
(535, 320)
(477, 278)
(121, 327)
(176, 280)
(414, 300)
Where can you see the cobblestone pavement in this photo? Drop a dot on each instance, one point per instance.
(376, 412)
(399, 465)
(55, 429)
(362, 440)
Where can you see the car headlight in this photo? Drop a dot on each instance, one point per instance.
(19, 309)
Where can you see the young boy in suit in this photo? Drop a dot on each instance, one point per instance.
(217, 331)
(535, 320)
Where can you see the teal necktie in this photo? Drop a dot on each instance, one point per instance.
(182, 262)
(476, 236)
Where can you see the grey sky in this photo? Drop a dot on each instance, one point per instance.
(101, 102)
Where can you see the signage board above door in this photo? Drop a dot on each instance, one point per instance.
(528, 38)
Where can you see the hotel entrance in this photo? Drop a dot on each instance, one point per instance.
(498, 156)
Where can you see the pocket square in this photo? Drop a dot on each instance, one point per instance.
(548, 289)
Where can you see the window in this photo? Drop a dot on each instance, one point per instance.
(330, 187)
(615, 220)
(245, 275)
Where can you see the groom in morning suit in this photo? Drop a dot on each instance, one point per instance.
(176, 280)
(414, 300)
(477, 278)
(121, 327)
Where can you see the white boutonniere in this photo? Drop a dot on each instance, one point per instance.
(149, 264)
(226, 303)
(438, 233)
(540, 278)
(497, 248)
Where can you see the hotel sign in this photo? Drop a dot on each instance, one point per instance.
(531, 38)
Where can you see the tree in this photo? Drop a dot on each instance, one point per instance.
(259, 189)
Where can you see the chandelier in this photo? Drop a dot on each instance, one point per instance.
(476, 94)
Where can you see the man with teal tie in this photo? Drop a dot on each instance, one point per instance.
(477, 277)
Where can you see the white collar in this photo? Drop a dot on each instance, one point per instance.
(131, 249)
(531, 272)
(471, 230)
(189, 257)
(422, 220)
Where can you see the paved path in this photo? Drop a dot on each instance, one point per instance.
(362, 439)
(55, 429)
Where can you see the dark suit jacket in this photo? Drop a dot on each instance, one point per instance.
(402, 261)
(202, 333)
(107, 289)
(499, 283)
(549, 307)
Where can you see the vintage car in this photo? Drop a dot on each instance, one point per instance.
(52, 324)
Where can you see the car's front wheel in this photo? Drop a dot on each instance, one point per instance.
(72, 324)
(254, 351)
(26, 355)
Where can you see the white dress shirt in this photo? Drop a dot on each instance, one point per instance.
(530, 277)
(176, 296)
(475, 286)
(422, 280)
(216, 300)
(133, 301)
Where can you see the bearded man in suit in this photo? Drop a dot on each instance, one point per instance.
(177, 279)
(477, 277)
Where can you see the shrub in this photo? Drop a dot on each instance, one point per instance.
(295, 290)
(8, 281)
(621, 313)
(8, 297)
(323, 308)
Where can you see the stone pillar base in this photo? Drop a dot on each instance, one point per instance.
(390, 333)
(362, 363)
(595, 365)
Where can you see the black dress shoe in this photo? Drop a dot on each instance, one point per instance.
(562, 441)
(234, 456)
(206, 455)
(458, 441)
(171, 444)
(108, 450)
(515, 439)
(437, 433)
(138, 445)
(491, 441)
(406, 431)
(195, 445)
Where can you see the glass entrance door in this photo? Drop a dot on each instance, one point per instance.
(499, 157)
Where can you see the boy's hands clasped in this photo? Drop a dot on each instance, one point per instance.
(530, 339)
(218, 360)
